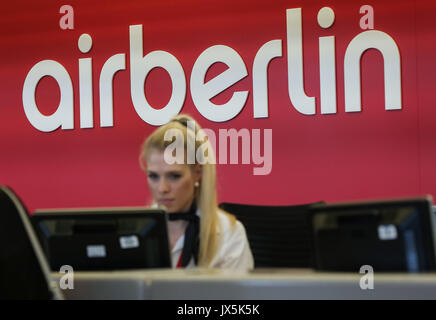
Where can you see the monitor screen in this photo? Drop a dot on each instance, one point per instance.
(24, 271)
(393, 235)
(104, 238)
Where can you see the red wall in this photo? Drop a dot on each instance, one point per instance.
(344, 156)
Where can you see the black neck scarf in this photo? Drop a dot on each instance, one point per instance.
(192, 241)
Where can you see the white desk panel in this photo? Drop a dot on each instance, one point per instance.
(262, 284)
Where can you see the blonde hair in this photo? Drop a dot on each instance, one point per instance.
(205, 194)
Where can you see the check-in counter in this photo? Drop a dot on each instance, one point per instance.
(260, 284)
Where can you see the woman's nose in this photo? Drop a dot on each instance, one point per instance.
(163, 186)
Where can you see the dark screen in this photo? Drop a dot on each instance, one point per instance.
(389, 236)
(104, 240)
(21, 276)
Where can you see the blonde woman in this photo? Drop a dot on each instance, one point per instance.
(200, 234)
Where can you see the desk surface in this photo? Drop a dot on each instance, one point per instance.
(260, 284)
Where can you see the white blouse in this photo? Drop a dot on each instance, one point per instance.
(233, 249)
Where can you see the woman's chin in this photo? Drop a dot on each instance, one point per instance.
(169, 208)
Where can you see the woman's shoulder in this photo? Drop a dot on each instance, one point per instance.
(234, 250)
(229, 223)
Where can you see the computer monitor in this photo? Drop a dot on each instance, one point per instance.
(392, 235)
(24, 271)
(104, 238)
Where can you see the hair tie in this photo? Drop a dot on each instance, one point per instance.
(185, 124)
(180, 121)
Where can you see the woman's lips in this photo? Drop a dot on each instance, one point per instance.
(165, 201)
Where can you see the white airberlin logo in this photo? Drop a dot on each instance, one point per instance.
(202, 92)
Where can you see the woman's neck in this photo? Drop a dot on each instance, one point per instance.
(176, 229)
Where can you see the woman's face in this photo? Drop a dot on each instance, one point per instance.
(171, 185)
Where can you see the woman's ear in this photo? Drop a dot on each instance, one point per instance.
(198, 172)
(142, 163)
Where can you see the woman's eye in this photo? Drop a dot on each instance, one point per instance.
(175, 176)
(152, 176)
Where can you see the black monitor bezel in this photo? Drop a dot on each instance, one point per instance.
(38, 255)
(423, 204)
(103, 213)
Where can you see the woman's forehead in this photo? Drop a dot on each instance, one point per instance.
(156, 162)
